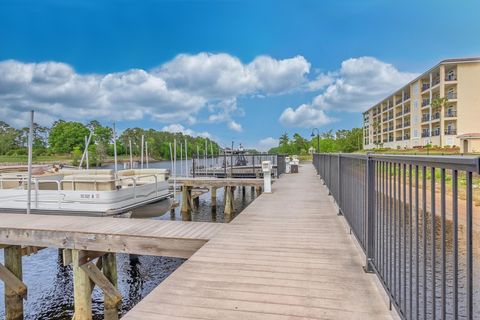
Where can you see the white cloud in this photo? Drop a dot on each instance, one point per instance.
(175, 127)
(267, 143)
(360, 83)
(173, 92)
(235, 126)
(304, 116)
(220, 76)
(320, 82)
(357, 85)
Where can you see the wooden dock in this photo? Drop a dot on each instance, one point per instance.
(90, 244)
(286, 256)
(190, 199)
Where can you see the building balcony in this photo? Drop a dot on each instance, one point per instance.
(452, 95)
(436, 116)
(385, 140)
(407, 110)
(398, 138)
(425, 86)
(398, 102)
(450, 131)
(425, 134)
(451, 77)
(398, 114)
(406, 97)
(450, 113)
(425, 117)
(425, 102)
(385, 129)
(435, 81)
(399, 125)
(435, 132)
(406, 124)
(390, 139)
(406, 137)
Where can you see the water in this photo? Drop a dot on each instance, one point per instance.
(50, 285)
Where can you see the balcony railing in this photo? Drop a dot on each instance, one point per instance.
(450, 131)
(425, 117)
(399, 125)
(436, 132)
(406, 137)
(452, 95)
(425, 102)
(407, 110)
(406, 123)
(385, 140)
(398, 138)
(450, 114)
(398, 101)
(385, 129)
(425, 86)
(435, 81)
(436, 116)
(398, 114)
(425, 134)
(451, 77)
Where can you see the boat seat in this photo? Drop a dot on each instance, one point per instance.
(12, 180)
(89, 172)
(84, 182)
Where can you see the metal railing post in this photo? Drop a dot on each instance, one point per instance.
(370, 215)
(339, 184)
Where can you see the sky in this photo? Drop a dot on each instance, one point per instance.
(243, 71)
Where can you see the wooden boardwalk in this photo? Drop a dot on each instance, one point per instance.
(148, 237)
(286, 256)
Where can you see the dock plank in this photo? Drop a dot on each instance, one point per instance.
(147, 237)
(286, 256)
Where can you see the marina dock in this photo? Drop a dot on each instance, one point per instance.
(271, 264)
(266, 264)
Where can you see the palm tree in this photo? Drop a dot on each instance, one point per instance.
(440, 103)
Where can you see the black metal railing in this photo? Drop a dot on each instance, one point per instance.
(229, 165)
(408, 216)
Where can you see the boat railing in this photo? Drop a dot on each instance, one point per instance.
(36, 182)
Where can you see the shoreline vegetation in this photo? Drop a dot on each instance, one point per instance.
(64, 142)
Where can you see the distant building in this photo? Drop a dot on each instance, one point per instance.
(406, 119)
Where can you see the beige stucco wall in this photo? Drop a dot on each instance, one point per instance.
(468, 113)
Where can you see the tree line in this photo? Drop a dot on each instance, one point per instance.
(68, 138)
(340, 141)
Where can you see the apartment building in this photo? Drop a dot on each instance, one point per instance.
(410, 118)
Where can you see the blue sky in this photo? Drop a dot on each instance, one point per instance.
(235, 70)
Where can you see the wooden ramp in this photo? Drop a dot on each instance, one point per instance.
(286, 256)
(145, 237)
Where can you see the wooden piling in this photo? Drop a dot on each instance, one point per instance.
(258, 191)
(82, 289)
(229, 201)
(110, 271)
(213, 193)
(13, 301)
(186, 201)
